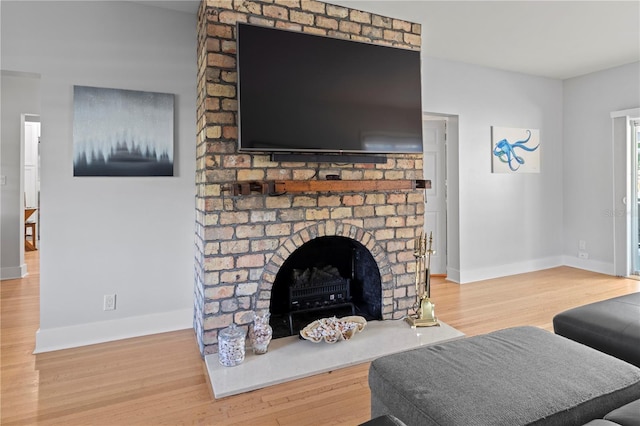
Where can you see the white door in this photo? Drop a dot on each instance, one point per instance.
(31, 169)
(435, 215)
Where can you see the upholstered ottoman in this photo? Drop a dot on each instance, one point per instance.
(517, 376)
(611, 326)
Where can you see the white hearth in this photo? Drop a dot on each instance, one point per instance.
(290, 358)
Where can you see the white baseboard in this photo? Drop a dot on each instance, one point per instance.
(13, 272)
(53, 339)
(480, 274)
(528, 266)
(453, 275)
(590, 265)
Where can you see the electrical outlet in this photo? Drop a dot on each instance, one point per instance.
(583, 255)
(109, 302)
(582, 245)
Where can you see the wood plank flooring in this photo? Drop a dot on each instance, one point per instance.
(161, 380)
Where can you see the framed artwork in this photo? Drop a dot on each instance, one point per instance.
(515, 150)
(122, 132)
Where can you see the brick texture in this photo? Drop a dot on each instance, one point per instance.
(241, 242)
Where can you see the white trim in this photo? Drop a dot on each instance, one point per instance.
(428, 116)
(453, 275)
(632, 195)
(606, 268)
(633, 112)
(533, 265)
(621, 148)
(54, 339)
(13, 272)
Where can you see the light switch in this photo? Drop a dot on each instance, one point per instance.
(3, 180)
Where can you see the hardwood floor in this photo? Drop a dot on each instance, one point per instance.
(161, 380)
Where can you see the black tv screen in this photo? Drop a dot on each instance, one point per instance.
(299, 92)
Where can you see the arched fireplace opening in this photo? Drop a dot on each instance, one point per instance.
(326, 276)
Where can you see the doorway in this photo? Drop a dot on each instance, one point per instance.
(624, 211)
(634, 190)
(31, 173)
(434, 134)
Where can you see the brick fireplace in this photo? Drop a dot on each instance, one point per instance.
(243, 241)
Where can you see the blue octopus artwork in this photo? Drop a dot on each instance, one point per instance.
(506, 151)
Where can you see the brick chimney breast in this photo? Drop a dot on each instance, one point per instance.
(242, 241)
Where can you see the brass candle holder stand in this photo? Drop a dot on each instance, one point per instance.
(423, 315)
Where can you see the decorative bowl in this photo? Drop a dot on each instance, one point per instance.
(333, 329)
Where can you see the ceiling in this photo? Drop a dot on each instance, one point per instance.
(188, 6)
(555, 39)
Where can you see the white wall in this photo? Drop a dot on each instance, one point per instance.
(590, 207)
(508, 223)
(134, 236)
(20, 95)
(129, 236)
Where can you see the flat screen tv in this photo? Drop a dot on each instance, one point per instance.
(302, 93)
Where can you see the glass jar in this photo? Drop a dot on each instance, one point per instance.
(231, 342)
(261, 333)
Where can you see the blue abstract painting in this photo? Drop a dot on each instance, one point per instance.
(122, 132)
(515, 150)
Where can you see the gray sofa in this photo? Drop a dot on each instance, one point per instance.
(517, 376)
(611, 326)
(627, 415)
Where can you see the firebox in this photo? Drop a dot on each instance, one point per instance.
(326, 276)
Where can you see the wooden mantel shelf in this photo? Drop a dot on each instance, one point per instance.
(279, 187)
